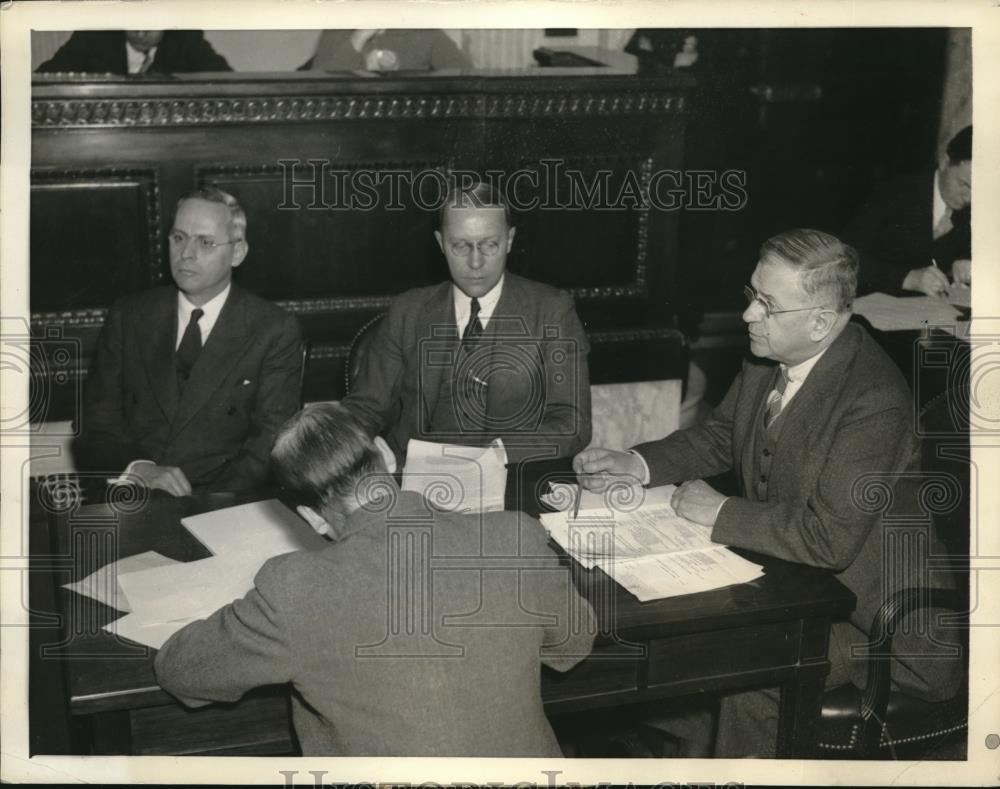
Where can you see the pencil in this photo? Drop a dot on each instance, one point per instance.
(576, 503)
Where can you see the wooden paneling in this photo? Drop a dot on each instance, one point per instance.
(111, 159)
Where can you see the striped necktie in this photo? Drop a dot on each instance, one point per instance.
(774, 399)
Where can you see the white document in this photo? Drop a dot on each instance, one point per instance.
(960, 295)
(615, 498)
(892, 313)
(643, 544)
(263, 528)
(457, 478)
(188, 590)
(102, 585)
(154, 636)
(669, 575)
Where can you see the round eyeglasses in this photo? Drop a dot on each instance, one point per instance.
(754, 298)
(201, 243)
(488, 248)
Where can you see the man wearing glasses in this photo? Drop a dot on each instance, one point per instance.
(798, 435)
(486, 355)
(190, 383)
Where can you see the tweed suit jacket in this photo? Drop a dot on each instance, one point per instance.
(244, 385)
(533, 355)
(102, 51)
(461, 679)
(847, 436)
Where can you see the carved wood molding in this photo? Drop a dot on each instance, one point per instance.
(147, 181)
(206, 111)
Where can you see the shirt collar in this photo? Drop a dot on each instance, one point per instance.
(211, 308)
(136, 57)
(797, 373)
(487, 302)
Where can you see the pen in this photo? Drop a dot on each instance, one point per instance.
(943, 292)
(576, 503)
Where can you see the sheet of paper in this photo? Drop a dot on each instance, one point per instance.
(892, 313)
(457, 478)
(188, 590)
(960, 295)
(615, 498)
(102, 585)
(261, 529)
(659, 576)
(154, 636)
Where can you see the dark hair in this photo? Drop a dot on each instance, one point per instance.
(212, 194)
(478, 194)
(960, 146)
(827, 266)
(322, 454)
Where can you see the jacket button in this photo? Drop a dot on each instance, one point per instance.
(767, 452)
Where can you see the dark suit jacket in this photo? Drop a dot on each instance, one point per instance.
(538, 397)
(464, 682)
(243, 386)
(104, 51)
(850, 424)
(894, 233)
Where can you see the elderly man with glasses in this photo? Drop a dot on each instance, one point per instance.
(819, 409)
(485, 355)
(191, 381)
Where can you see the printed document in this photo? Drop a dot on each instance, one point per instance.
(457, 478)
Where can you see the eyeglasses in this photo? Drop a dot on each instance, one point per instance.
(487, 247)
(202, 243)
(754, 297)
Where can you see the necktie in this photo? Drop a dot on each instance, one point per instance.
(774, 399)
(474, 328)
(147, 61)
(190, 347)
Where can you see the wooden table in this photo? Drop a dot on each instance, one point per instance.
(769, 632)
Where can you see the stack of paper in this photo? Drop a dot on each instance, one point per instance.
(457, 478)
(163, 595)
(646, 546)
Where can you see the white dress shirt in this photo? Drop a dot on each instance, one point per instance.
(136, 58)
(211, 308)
(463, 305)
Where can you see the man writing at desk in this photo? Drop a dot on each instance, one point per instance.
(190, 382)
(487, 355)
(798, 435)
(482, 598)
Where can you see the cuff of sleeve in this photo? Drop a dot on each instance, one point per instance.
(645, 466)
(124, 478)
(719, 508)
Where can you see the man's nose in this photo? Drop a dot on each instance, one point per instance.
(753, 312)
(476, 259)
(188, 249)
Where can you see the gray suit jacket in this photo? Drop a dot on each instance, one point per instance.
(417, 633)
(848, 438)
(244, 385)
(538, 393)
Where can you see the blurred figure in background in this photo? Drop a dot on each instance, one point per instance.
(386, 50)
(136, 52)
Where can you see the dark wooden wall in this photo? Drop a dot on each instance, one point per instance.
(111, 158)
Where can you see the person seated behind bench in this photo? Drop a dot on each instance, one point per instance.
(465, 684)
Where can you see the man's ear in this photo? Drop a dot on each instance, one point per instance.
(823, 324)
(440, 239)
(388, 456)
(240, 249)
(314, 519)
(510, 238)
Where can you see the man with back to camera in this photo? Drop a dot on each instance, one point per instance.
(915, 229)
(486, 355)
(190, 382)
(136, 52)
(798, 435)
(467, 680)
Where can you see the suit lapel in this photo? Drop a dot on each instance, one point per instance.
(439, 316)
(505, 323)
(158, 334)
(221, 352)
